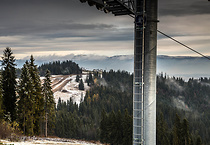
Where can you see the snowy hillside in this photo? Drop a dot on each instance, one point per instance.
(66, 87)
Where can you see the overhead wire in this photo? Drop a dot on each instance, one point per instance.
(183, 45)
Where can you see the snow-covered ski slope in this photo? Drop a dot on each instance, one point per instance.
(66, 87)
(49, 141)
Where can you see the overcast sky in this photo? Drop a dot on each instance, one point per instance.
(63, 27)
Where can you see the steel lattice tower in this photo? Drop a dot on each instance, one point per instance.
(145, 52)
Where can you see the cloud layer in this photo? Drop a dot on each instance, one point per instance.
(182, 66)
(43, 27)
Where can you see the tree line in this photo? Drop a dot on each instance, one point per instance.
(26, 101)
(60, 68)
(83, 121)
(102, 115)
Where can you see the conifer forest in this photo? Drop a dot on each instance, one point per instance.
(28, 107)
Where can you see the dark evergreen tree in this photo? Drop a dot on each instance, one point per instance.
(49, 105)
(127, 128)
(26, 101)
(81, 85)
(59, 106)
(185, 132)
(162, 131)
(37, 96)
(77, 78)
(89, 79)
(177, 131)
(103, 127)
(60, 129)
(199, 141)
(9, 83)
(118, 128)
(111, 127)
(1, 100)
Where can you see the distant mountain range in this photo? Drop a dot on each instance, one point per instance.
(184, 67)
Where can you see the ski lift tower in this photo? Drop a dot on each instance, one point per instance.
(144, 13)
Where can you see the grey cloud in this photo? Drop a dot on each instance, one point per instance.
(50, 19)
(51, 23)
(200, 7)
(92, 32)
(183, 7)
(35, 29)
(39, 15)
(51, 11)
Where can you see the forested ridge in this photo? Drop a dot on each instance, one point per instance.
(183, 109)
(106, 113)
(183, 106)
(60, 68)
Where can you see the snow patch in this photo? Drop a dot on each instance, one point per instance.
(47, 141)
(70, 89)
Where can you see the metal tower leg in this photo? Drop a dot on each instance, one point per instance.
(138, 82)
(150, 73)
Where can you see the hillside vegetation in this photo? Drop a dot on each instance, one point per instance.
(105, 112)
(182, 104)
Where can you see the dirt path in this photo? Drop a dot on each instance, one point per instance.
(57, 80)
(60, 84)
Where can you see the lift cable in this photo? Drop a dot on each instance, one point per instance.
(183, 44)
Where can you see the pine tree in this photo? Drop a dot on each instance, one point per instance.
(37, 95)
(81, 85)
(127, 128)
(59, 107)
(162, 131)
(103, 127)
(49, 104)
(77, 78)
(118, 129)
(177, 130)
(26, 101)
(9, 83)
(1, 100)
(198, 141)
(185, 132)
(111, 127)
(90, 79)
